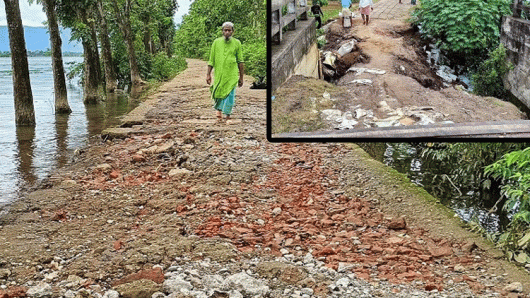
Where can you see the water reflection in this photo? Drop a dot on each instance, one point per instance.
(61, 138)
(30, 154)
(470, 202)
(107, 113)
(26, 148)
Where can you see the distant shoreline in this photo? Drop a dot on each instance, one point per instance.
(43, 54)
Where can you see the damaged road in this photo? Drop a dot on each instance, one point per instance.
(379, 77)
(180, 206)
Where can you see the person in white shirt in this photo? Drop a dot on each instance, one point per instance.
(366, 6)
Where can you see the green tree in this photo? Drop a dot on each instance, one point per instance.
(468, 160)
(106, 49)
(465, 29)
(514, 171)
(487, 80)
(59, 80)
(80, 17)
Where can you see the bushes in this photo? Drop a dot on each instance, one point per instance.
(487, 80)
(465, 29)
(514, 172)
(164, 68)
(254, 55)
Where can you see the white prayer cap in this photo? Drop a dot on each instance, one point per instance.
(228, 24)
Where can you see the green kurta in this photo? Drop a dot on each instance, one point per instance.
(224, 58)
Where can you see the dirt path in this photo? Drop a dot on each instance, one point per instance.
(404, 90)
(187, 207)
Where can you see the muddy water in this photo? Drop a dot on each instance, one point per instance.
(29, 154)
(467, 201)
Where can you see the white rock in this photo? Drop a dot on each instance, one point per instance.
(284, 251)
(331, 114)
(42, 289)
(164, 147)
(343, 267)
(362, 82)
(308, 258)
(343, 282)
(176, 284)
(51, 276)
(276, 211)
(215, 282)
(158, 295)
(235, 294)
(69, 294)
(515, 287)
(111, 294)
(459, 268)
(247, 284)
(179, 172)
(198, 294)
(105, 167)
(346, 48)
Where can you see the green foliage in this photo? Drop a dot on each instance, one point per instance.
(464, 28)
(487, 80)
(75, 70)
(255, 54)
(152, 29)
(514, 171)
(321, 2)
(202, 25)
(330, 14)
(468, 160)
(164, 68)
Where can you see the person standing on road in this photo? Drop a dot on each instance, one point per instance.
(366, 6)
(227, 59)
(317, 12)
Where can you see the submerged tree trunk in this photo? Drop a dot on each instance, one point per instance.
(91, 94)
(124, 23)
(24, 110)
(59, 81)
(106, 52)
(92, 80)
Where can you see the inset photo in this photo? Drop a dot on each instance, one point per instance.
(398, 69)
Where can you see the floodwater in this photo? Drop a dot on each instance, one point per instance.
(30, 154)
(467, 201)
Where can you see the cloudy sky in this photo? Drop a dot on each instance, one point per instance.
(32, 15)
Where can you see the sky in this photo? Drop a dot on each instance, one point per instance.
(33, 16)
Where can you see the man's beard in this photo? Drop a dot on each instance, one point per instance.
(227, 38)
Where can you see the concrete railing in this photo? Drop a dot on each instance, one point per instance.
(285, 13)
(518, 8)
(515, 35)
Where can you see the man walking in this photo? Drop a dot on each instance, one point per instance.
(366, 6)
(227, 60)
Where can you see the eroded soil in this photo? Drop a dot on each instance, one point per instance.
(408, 93)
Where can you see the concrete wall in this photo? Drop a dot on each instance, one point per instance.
(308, 65)
(515, 35)
(297, 54)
